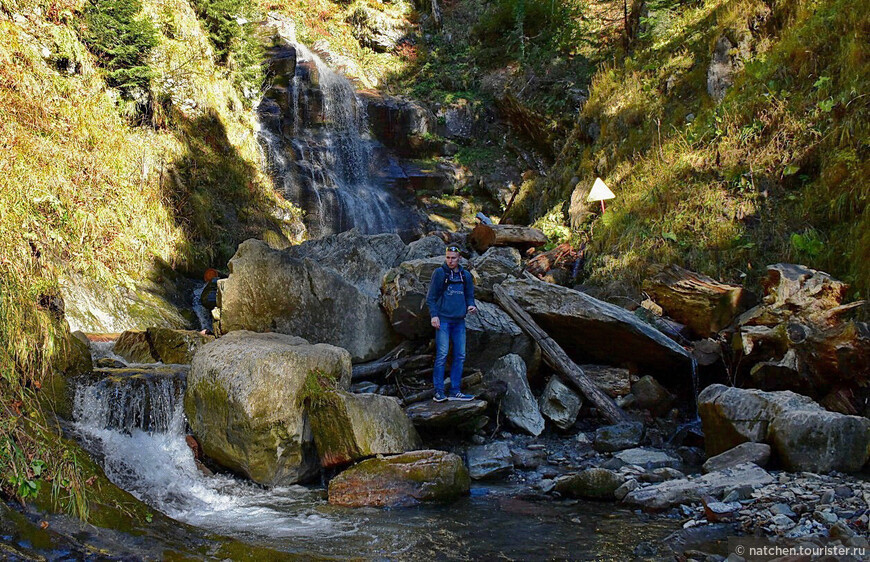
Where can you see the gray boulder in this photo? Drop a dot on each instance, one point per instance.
(467, 416)
(648, 458)
(272, 291)
(403, 296)
(674, 492)
(757, 453)
(617, 437)
(424, 248)
(804, 436)
(242, 403)
(590, 329)
(495, 266)
(489, 461)
(491, 334)
(518, 405)
(560, 404)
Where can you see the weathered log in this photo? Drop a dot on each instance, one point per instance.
(698, 301)
(364, 371)
(556, 358)
(467, 380)
(485, 235)
(562, 256)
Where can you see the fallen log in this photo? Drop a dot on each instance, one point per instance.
(364, 371)
(700, 302)
(556, 358)
(485, 235)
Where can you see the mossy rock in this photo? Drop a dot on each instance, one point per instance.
(401, 480)
(591, 484)
(175, 346)
(134, 347)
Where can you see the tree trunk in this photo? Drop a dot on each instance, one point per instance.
(556, 358)
(485, 235)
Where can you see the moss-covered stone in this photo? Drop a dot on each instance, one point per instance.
(175, 346)
(133, 346)
(401, 480)
(591, 484)
(354, 426)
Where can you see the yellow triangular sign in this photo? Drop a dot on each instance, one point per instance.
(600, 191)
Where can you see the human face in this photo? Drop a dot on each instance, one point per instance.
(452, 259)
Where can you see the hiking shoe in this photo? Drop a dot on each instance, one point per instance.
(439, 396)
(460, 396)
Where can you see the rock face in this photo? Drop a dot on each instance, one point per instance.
(134, 347)
(673, 492)
(454, 415)
(590, 484)
(804, 436)
(241, 402)
(271, 291)
(590, 329)
(519, 404)
(560, 404)
(489, 461)
(348, 427)
(175, 346)
(491, 334)
(401, 480)
(757, 453)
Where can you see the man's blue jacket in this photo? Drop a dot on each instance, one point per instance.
(450, 293)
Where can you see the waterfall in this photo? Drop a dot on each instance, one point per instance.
(314, 132)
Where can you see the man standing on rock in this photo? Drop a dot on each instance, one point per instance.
(450, 298)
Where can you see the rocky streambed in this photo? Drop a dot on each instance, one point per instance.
(307, 424)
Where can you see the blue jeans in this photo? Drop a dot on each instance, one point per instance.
(450, 331)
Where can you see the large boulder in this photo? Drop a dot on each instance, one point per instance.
(403, 296)
(242, 402)
(560, 404)
(175, 346)
(133, 346)
(359, 259)
(687, 490)
(802, 434)
(495, 266)
(757, 453)
(518, 405)
(491, 334)
(271, 291)
(349, 427)
(590, 330)
(489, 461)
(401, 480)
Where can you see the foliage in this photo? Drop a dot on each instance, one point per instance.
(122, 39)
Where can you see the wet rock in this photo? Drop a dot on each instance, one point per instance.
(617, 437)
(613, 381)
(647, 458)
(401, 480)
(518, 405)
(314, 301)
(560, 404)
(134, 347)
(802, 434)
(758, 453)
(109, 363)
(495, 266)
(348, 427)
(491, 334)
(527, 459)
(489, 461)
(652, 396)
(674, 492)
(175, 346)
(242, 403)
(591, 484)
(398, 123)
(590, 329)
(450, 414)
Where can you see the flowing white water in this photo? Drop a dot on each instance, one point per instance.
(322, 159)
(138, 431)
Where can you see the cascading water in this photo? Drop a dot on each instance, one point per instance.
(315, 137)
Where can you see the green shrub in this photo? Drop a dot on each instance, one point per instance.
(221, 18)
(121, 38)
